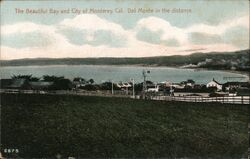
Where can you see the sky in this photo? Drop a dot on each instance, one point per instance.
(204, 26)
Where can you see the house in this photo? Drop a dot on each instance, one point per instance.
(168, 83)
(155, 88)
(188, 83)
(239, 88)
(232, 86)
(123, 85)
(127, 85)
(79, 82)
(214, 84)
(178, 86)
(174, 85)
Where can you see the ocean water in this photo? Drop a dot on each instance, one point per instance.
(123, 73)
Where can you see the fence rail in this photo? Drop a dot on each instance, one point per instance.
(68, 92)
(226, 99)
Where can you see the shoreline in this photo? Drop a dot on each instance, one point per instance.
(230, 71)
(139, 65)
(237, 72)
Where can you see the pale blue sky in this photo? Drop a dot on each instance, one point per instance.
(203, 11)
(155, 32)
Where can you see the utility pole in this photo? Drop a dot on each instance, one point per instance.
(133, 88)
(144, 84)
(112, 87)
(171, 89)
(144, 74)
(127, 89)
(133, 82)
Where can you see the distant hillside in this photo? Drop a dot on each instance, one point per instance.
(238, 60)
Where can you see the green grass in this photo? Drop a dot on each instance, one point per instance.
(46, 125)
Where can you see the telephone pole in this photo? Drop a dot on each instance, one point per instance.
(144, 74)
(112, 87)
(133, 83)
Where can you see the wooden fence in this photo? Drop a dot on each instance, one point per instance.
(226, 99)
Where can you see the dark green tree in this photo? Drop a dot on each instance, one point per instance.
(27, 77)
(52, 78)
(91, 81)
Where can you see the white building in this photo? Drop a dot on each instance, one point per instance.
(215, 84)
(124, 85)
(154, 89)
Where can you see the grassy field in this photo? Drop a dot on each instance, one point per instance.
(90, 127)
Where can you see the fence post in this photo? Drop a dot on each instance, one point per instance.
(242, 102)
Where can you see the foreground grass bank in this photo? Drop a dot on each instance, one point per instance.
(78, 126)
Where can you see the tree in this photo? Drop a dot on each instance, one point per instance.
(149, 82)
(108, 86)
(190, 81)
(52, 78)
(79, 79)
(62, 84)
(91, 81)
(34, 79)
(27, 77)
(138, 87)
(90, 87)
(59, 82)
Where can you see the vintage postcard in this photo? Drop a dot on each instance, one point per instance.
(124, 79)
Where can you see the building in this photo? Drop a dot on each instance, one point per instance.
(79, 82)
(123, 86)
(174, 85)
(188, 83)
(214, 84)
(178, 86)
(154, 88)
(233, 86)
